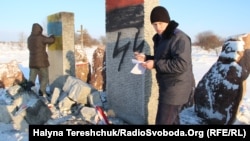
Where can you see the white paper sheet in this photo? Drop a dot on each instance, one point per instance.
(138, 68)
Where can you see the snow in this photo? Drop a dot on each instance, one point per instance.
(202, 61)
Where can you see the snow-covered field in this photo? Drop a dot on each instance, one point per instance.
(202, 61)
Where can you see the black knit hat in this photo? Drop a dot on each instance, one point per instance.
(159, 14)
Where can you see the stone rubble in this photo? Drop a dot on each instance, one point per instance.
(74, 104)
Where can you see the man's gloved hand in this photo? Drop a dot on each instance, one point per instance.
(52, 36)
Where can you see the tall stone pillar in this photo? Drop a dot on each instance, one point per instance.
(132, 97)
(61, 53)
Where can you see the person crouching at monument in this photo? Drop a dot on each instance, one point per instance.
(38, 57)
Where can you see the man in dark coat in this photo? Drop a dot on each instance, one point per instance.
(172, 61)
(38, 57)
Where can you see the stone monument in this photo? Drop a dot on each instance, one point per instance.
(132, 97)
(61, 53)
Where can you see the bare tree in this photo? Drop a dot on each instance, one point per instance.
(85, 39)
(22, 40)
(103, 40)
(44, 26)
(77, 39)
(208, 40)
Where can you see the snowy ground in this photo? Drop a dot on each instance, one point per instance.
(202, 61)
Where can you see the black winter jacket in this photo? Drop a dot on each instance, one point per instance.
(173, 64)
(37, 47)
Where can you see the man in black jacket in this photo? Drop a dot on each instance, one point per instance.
(172, 61)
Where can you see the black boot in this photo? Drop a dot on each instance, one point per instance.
(40, 93)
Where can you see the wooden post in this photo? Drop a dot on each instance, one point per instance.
(81, 32)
